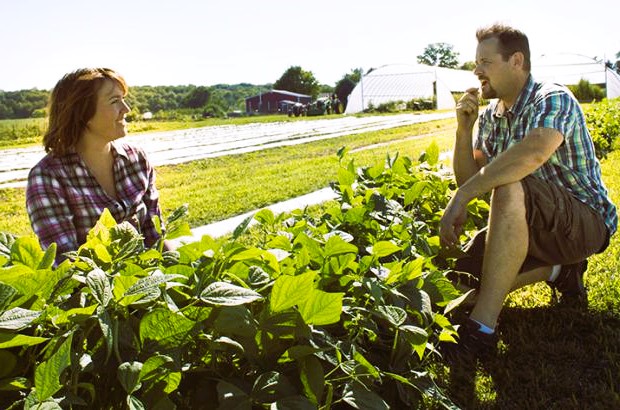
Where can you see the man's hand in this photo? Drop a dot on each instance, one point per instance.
(452, 221)
(467, 109)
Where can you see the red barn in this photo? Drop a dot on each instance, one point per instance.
(274, 101)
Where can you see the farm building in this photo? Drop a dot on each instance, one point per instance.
(274, 101)
(406, 82)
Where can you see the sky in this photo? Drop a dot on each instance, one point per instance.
(208, 42)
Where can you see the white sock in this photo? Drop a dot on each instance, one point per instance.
(555, 271)
(484, 328)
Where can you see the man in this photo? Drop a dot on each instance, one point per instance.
(549, 207)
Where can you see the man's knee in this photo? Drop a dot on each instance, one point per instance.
(508, 196)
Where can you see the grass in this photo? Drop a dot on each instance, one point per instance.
(218, 188)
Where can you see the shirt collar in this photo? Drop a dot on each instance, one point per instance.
(119, 148)
(519, 105)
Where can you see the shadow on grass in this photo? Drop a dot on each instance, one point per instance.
(550, 358)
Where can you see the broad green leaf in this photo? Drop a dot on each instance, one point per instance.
(155, 367)
(47, 261)
(6, 295)
(289, 291)
(417, 337)
(27, 251)
(241, 228)
(265, 216)
(15, 384)
(8, 340)
(128, 374)
(172, 380)
(133, 403)
(359, 397)
(432, 153)
(311, 246)
(47, 374)
(454, 303)
(364, 363)
(321, 308)
(235, 320)
(336, 246)
(312, 378)
(18, 318)
(345, 177)
(29, 282)
(383, 248)
(414, 192)
(149, 284)
(167, 329)
(227, 294)
(270, 385)
(108, 329)
(178, 230)
(76, 315)
(150, 255)
(99, 285)
(393, 314)
(6, 243)
(99, 236)
(297, 352)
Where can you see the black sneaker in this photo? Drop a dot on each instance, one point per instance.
(570, 284)
(472, 344)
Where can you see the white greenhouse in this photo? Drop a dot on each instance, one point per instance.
(405, 82)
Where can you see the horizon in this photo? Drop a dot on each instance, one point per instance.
(196, 43)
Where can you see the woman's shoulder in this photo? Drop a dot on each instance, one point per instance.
(129, 150)
(51, 164)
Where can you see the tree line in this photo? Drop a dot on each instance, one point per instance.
(220, 99)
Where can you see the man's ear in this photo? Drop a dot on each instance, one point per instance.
(517, 59)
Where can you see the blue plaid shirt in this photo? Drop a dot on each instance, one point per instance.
(573, 165)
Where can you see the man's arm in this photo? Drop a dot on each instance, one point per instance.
(515, 163)
(512, 165)
(466, 161)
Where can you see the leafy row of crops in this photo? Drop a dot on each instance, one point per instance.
(343, 307)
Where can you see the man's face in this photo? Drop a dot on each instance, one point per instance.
(493, 72)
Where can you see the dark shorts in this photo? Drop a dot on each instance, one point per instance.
(562, 230)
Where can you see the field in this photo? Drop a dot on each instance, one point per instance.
(551, 356)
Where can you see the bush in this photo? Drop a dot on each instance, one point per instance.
(603, 120)
(586, 92)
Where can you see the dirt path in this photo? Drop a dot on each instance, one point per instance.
(173, 147)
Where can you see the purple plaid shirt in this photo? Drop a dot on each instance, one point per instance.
(64, 200)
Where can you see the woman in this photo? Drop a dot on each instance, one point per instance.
(86, 169)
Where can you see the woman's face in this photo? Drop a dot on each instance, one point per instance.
(108, 122)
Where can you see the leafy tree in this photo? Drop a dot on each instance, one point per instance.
(197, 97)
(345, 86)
(468, 65)
(439, 54)
(297, 80)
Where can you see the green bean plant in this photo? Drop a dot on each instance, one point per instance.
(340, 309)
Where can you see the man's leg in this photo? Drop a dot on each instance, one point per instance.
(506, 249)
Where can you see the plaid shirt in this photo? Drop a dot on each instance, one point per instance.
(573, 165)
(64, 200)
